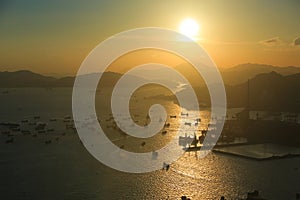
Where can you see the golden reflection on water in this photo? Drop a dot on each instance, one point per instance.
(141, 101)
(139, 106)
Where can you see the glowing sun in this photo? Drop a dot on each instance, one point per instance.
(189, 27)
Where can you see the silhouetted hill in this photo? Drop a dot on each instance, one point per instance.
(24, 78)
(231, 76)
(268, 91)
(65, 82)
(241, 73)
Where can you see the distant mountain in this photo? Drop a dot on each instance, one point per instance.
(241, 73)
(64, 82)
(231, 76)
(267, 91)
(24, 78)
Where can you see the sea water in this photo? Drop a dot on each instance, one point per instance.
(31, 169)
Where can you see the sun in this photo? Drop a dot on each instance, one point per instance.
(189, 27)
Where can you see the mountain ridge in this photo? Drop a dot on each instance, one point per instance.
(26, 78)
(231, 76)
(241, 73)
(268, 91)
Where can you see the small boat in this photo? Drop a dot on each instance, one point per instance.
(188, 123)
(167, 125)
(166, 166)
(40, 126)
(48, 141)
(198, 120)
(9, 141)
(67, 117)
(184, 114)
(185, 140)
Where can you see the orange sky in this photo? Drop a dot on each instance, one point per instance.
(54, 37)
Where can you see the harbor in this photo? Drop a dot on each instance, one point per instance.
(66, 170)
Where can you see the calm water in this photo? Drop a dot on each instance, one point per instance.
(29, 169)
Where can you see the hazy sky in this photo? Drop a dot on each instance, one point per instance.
(53, 37)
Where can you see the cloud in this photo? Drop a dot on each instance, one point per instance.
(276, 41)
(297, 41)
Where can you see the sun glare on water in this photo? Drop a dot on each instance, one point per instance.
(189, 27)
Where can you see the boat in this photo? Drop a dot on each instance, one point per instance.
(198, 120)
(188, 123)
(184, 114)
(185, 198)
(167, 125)
(166, 166)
